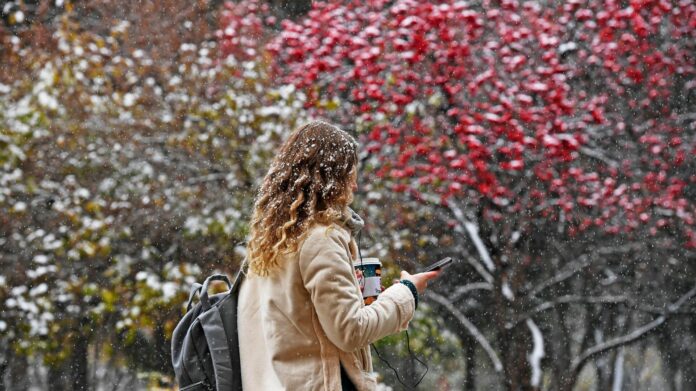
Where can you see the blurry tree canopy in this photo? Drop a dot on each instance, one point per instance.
(548, 146)
(124, 178)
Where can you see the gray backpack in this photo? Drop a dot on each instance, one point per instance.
(205, 346)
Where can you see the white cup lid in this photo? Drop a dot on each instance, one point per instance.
(367, 261)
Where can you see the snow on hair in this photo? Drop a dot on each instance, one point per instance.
(308, 182)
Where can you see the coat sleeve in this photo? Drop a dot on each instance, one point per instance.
(327, 274)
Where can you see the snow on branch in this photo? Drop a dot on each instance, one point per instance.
(472, 230)
(480, 269)
(464, 289)
(537, 352)
(599, 156)
(567, 299)
(618, 371)
(634, 335)
(622, 249)
(471, 328)
(688, 296)
(607, 299)
(563, 275)
(578, 361)
(686, 117)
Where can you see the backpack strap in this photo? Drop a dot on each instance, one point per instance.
(195, 288)
(205, 302)
(233, 337)
(215, 336)
(238, 280)
(224, 355)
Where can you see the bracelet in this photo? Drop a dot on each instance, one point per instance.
(412, 288)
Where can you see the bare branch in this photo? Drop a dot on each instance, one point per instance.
(621, 299)
(626, 248)
(480, 269)
(616, 342)
(478, 336)
(634, 335)
(472, 230)
(563, 275)
(687, 117)
(598, 155)
(463, 290)
(567, 300)
(688, 296)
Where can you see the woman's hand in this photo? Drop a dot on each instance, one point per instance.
(420, 280)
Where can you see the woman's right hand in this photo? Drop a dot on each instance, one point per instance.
(420, 280)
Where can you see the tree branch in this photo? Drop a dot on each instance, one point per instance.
(635, 335)
(463, 290)
(567, 300)
(537, 352)
(563, 275)
(471, 328)
(598, 155)
(472, 230)
(480, 269)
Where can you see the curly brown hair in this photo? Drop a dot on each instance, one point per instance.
(308, 182)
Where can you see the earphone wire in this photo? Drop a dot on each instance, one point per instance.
(408, 343)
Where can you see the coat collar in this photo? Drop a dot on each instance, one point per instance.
(353, 221)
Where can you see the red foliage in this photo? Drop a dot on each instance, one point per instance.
(572, 109)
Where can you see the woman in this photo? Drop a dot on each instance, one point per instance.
(301, 317)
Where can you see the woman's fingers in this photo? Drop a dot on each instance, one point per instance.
(431, 275)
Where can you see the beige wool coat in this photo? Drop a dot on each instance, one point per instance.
(298, 324)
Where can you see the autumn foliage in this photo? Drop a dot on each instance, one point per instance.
(542, 136)
(547, 145)
(576, 110)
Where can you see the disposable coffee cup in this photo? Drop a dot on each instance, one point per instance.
(369, 272)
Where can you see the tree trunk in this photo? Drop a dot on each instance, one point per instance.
(18, 379)
(56, 377)
(605, 362)
(78, 363)
(617, 379)
(688, 373)
(516, 362)
(605, 370)
(470, 357)
(560, 346)
(3, 372)
(514, 346)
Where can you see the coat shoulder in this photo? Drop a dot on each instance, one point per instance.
(321, 232)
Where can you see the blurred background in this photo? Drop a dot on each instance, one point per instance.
(548, 146)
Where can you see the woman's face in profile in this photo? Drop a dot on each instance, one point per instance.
(352, 184)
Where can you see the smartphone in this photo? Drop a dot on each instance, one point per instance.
(441, 264)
